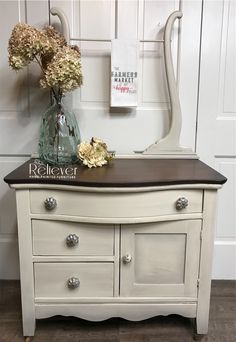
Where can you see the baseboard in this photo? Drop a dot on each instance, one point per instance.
(224, 262)
(9, 260)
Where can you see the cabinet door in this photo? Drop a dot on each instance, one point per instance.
(160, 259)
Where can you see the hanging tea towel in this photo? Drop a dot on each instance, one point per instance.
(124, 73)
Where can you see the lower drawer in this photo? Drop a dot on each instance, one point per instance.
(54, 280)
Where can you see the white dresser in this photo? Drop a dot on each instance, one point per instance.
(133, 239)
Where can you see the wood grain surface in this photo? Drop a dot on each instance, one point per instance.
(125, 173)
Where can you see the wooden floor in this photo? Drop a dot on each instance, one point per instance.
(222, 326)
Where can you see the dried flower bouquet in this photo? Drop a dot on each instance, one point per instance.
(60, 63)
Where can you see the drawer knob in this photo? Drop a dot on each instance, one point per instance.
(73, 283)
(181, 203)
(127, 259)
(50, 203)
(72, 240)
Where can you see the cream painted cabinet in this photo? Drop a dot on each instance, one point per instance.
(160, 259)
(131, 240)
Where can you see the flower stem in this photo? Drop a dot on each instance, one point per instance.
(43, 71)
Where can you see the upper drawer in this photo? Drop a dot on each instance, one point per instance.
(67, 238)
(115, 204)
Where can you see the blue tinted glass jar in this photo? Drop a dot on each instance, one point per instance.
(59, 135)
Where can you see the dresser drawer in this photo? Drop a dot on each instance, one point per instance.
(90, 280)
(115, 205)
(68, 238)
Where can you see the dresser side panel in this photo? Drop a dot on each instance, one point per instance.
(205, 270)
(26, 265)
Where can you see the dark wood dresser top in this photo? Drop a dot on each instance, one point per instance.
(119, 173)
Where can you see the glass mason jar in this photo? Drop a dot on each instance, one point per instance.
(59, 135)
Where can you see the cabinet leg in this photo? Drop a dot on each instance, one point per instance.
(28, 328)
(28, 338)
(200, 329)
(202, 324)
(198, 337)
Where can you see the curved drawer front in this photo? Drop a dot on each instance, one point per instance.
(54, 280)
(108, 205)
(67, 238)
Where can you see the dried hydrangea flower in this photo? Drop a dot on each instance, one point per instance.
(24, 44)
(60, 63)
(64, 70)
(56, 40)
(54, 35)
(94, 154)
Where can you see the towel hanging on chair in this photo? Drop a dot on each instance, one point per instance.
(124, 73)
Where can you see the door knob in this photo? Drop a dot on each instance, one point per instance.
(72, 240)
(181, 203)
(73, 283)
(127, 259)
(50, 203)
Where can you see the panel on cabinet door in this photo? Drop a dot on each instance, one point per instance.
(160, 259)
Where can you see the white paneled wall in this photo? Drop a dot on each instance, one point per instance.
(217, 122)
(9, 267)
(141, 19)
(125, 130)
(21, 104)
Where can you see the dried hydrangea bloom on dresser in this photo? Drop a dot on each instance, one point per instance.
(133, 239)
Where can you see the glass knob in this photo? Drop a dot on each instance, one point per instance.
(50, 203)
(73, 283)
(181, 203)
(72, 240)
(127, 259)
